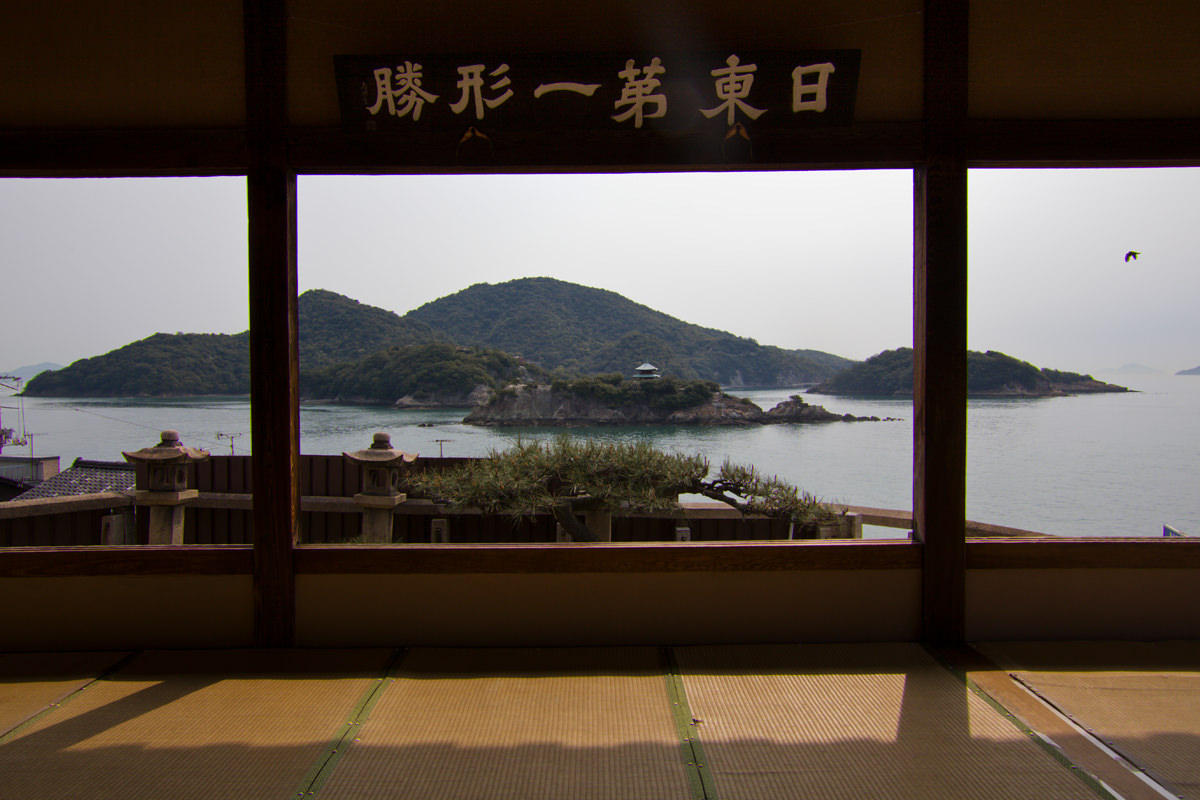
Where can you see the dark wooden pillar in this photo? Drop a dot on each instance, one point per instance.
(274, 354)
(940, 326)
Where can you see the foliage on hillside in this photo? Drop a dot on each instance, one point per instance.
(559, 324)
(162, 364)
(332, 328)
(662, 394)
(435, 372)
(835, 363)
(554, 324)
(890, 373)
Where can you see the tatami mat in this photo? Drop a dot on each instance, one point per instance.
(857, 721)
(771, 721)
(191, 725)
(31, 683)
(1141, 698)
(530, 723)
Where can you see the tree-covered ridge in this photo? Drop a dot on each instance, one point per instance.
(663, 394)
(333, 328)
(162, 364)
(835, 363)
(435, 373)
(555, 324)
(560, 324)
(990, 373)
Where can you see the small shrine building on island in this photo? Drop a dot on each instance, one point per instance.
(646, 370)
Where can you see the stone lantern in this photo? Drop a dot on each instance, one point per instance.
(382, 468)
(168, 465)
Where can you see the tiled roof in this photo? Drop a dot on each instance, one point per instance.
(84, 477)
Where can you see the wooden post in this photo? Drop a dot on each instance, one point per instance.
(599, 522)
(940, 326)
(274, 354)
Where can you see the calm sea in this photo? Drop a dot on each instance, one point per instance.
(1099, 465)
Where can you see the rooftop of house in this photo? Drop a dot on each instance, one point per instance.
(10, 488)
(84, 477)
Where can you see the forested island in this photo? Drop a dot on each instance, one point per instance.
(589, 331)
(419, 375)
(1192, 371)
(465, 349)
(989, 374)
(333, 329)
(539, 323)
(615, 400)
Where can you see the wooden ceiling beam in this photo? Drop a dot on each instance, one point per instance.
(199, 152)
(126, 153)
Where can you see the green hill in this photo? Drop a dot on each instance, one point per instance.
(162, 364)
(578, 328)
(333, 328)
(419, 374)
(990, 374)
(352, 350)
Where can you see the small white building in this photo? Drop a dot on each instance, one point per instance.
(646, 370)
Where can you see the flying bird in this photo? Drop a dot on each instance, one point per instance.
(1131, 256)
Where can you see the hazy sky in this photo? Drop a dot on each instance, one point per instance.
(817, 260)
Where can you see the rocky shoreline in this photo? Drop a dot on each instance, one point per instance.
(545, 406)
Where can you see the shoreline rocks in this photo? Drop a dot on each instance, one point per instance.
(794, 409)
(544, 406)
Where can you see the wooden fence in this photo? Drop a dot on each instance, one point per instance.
(63, 521)
(223, 514)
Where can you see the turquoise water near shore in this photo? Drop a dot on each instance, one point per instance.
(1092, 465)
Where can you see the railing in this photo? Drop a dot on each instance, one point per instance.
(88, 519)
(225, 518)
(222, 514)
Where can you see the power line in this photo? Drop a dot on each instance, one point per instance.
(114, 419)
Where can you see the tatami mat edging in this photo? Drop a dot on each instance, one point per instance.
(344, 738)
(16, 729)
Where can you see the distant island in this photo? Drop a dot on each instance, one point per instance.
(333, 329)
(1192, 371)
(989, 374)
(588, 331)
(465, 348)
(29, 370)
(542, 325)
(615, 400)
